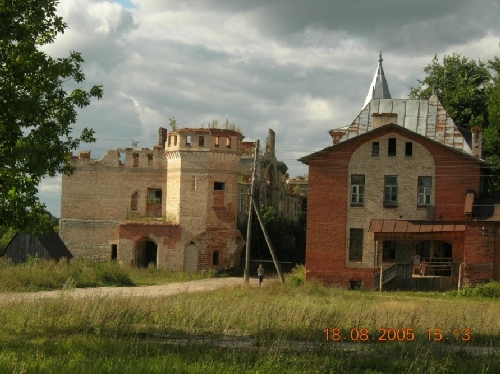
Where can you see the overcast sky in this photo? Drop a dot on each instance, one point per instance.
(298, 67)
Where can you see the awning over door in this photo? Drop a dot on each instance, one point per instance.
(402, 226)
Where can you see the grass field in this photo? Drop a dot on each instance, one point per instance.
(273, 329)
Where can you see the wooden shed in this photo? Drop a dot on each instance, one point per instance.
(48, 247)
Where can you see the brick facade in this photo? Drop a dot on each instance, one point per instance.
(331, 214)
(173, 205)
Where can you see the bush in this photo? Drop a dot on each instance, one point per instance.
(491, 289)
(297, 277)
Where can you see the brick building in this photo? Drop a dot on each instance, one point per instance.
(406, 185)
(271, 189)
(173, 205)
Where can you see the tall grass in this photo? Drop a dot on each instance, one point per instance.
(37, 275)
(270, 329)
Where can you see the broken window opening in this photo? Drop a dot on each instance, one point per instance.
(188, 140)
(114, 252)
(408, 149)
(154, 196)
(201, 141)
(150, 160)
(134, 201)
(375, 149)
(216, 140)
(218, 186)
(135, 157)
(228, 142)
(391, 150)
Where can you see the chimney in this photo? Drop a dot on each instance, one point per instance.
(84, 155)
(381, 119)
(336, 135)
(477, 142)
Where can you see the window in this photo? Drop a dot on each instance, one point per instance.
(389, 251)
(424, 191)
(175, 140)
(390, 190)
(133, 201)
(219, 186)
(355, 244)
(408, 149)
(357, 189)
(150, 160)
(188, 140)
(114, 251)
(216, 140)
(375, 149)
(201, 141)
(228, 142)
(215, 258)
(135, 156)
(391, 148)
(154, 196)
(169, 140)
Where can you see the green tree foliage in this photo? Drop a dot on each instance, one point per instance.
(36, 112)
(470, 92)
(461, 84)
(491, 137)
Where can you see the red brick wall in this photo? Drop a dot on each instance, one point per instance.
(479, 251)
(326, 240)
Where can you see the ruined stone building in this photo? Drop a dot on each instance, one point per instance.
(271, 189)
(173, 205)
(400, 190)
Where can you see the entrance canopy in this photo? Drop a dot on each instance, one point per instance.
(403, 226)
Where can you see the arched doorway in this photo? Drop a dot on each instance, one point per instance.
(191, 258)
(146, 253)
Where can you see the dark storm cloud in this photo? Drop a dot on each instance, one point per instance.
(425, 25)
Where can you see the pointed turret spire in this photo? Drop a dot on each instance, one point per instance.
(379, 88)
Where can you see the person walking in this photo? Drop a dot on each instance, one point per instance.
(260, 274)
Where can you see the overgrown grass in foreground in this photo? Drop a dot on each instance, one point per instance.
(98, 354)
(36, 275)
(247, 329)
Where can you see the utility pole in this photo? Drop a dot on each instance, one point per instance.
(249, 223)
(271, 249)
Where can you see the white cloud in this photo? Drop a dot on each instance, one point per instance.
(300, 68)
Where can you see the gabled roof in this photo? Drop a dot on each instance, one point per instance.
(379, 89)
(425, 117)
(51, 242)
(375, 133)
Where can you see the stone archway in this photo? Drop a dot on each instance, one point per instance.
(146, 252)
(191, 258)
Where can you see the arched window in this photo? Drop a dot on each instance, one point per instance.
(133, 201)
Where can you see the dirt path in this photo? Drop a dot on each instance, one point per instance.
(151, 291)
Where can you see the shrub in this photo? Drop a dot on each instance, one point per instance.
(490, 289)
(297, 276)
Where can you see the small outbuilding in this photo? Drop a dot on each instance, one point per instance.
(48, 247)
